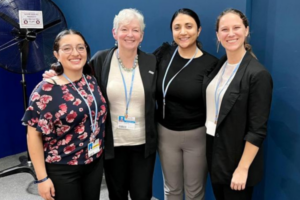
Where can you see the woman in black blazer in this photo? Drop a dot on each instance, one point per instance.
(129, 151)
(238, 98)
(101, 62)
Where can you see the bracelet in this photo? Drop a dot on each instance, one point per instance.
(40, 181)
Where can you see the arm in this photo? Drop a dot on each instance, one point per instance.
(240, 175)
(36, 152)
(259, 104)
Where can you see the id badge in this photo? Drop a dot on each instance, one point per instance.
(211, 128)
(126, 123)
(93, 148)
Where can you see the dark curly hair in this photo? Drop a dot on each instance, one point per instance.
(57, 67)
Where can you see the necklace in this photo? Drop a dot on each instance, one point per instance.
(128, 69)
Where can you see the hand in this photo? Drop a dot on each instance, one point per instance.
(239, 179)
(46, 189)
(49, 74)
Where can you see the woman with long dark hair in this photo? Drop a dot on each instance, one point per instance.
(65, 121)
(181, 110)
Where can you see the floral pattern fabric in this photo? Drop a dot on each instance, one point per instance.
(62, 116)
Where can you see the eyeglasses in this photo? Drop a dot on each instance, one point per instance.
(80, 48)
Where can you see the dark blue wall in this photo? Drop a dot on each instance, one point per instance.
(275, 38)
(12, 133)
(275, 32)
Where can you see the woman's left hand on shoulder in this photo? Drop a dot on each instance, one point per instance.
(239, 179)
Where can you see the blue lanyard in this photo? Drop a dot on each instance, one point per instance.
(217, 96)
(163, 83)
(93, 125)
(125, 88)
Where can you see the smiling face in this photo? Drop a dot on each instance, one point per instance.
(232, 32)
(74, 60)
(129, 35)
(185, 31)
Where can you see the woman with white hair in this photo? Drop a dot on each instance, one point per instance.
(127, 77)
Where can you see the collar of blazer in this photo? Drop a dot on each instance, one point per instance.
(233, 90)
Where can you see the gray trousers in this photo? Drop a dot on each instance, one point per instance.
(183, 159)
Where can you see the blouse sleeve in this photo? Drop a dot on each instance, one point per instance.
(260, 98)
(36, 115)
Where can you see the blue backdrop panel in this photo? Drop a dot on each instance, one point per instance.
(13, 134)
(275, 38)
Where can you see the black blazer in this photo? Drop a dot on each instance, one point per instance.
(147, 63)
(243, 117)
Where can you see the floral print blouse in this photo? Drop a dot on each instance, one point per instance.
(62, 116)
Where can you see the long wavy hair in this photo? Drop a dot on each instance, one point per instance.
(57, 67)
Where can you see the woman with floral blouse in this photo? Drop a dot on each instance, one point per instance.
(65, 121)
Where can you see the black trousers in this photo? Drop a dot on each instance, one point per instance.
(76, 182)
(224, 192)
(129, 171)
